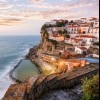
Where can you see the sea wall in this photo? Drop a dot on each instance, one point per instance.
(33, 89)
(11, 72)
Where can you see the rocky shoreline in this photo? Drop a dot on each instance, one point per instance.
(27, 56)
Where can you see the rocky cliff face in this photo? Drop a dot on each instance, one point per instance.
(46, 43)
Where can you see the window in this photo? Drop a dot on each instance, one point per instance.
(90, 40)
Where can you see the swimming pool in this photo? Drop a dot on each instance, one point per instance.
(91, 60)
(25, 69)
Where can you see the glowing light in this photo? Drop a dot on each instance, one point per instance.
(61, 63)
(52, 59)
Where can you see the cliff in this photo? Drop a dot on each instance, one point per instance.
(46, 43)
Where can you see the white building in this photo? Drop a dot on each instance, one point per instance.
(95, 31)
(80, 50)
(87, 39)
(72, 29)
(96, 23)
(84, 19)
(56, 29)
(73, 41)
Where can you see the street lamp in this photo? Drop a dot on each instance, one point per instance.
(52, 59)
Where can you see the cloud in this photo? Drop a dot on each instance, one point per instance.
(9, 21)
(46, 10)
(36, 0)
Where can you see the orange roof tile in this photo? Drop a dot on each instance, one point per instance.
(86, 36)
(83, 48)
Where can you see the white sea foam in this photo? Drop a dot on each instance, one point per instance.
(19, 48)
(5, 80)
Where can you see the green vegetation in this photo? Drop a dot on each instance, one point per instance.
(49, 48)
(53, 42)
(91, 88)
(44, 32)
(65, 32)
(60, 24)
(60, 32)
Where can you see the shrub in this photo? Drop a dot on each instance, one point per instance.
(91, 88)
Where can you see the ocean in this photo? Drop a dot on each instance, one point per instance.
(12, 49)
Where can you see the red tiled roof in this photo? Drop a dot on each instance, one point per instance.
(78, 40)
(94, 18)
(83, 18)
(86, 36)
(72, 26)
(84, 25)
(67, 38)
(72, 38)
(83, 48)
(95, 28)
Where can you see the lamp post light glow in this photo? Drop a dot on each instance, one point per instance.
(61, 63)
(52, 59)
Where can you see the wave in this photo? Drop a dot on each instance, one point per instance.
(15, 61)
(16, 54)
(5, 80)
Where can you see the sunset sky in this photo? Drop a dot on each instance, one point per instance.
(25, 17)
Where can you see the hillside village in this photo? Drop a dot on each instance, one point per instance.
(76, 37)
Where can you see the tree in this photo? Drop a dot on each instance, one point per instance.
(60, 32)
(91, 88)
(71, 21)
(54, 42)
(60, 24)
(65, 31)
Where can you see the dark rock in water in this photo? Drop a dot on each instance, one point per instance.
(27, 56)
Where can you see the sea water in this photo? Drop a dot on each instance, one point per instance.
(12, 49)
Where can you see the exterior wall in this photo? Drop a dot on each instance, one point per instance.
(68, 41)
(73, 35)
(72, 30)
(83, 19)
(57, 29)
(95, 32)
(84, 29)
(96, 24)
(77, 50)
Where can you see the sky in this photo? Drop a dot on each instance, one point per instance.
(26, 17)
